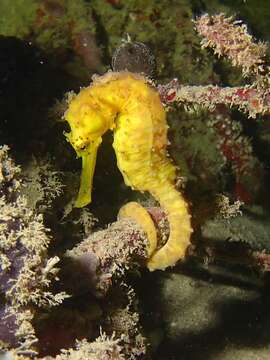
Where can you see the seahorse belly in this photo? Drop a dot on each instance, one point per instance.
(140, 144)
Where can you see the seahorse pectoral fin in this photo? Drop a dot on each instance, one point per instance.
(88, 156)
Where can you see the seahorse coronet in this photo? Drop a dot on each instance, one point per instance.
(129, 106)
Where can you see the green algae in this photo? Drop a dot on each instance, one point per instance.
(17, 17)
(49, 27)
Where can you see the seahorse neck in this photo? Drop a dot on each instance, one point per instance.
(113, 96)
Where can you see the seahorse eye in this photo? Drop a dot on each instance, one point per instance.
(80, 146)
(91, 121)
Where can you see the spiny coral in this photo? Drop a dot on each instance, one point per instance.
(227, 210)
(224, 144)
(26, 272)
(104, 347)
(41, 184)
(228, 38)
(124, 322)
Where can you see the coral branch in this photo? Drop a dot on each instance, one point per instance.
(105, 255)
(229, 37)
(247, 98)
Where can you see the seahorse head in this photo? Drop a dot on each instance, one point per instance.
(87, 124)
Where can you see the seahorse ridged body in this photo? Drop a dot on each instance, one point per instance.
(128, 105)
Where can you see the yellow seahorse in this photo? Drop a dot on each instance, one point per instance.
(125, 103)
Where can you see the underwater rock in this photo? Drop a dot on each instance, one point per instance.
(205, 318)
